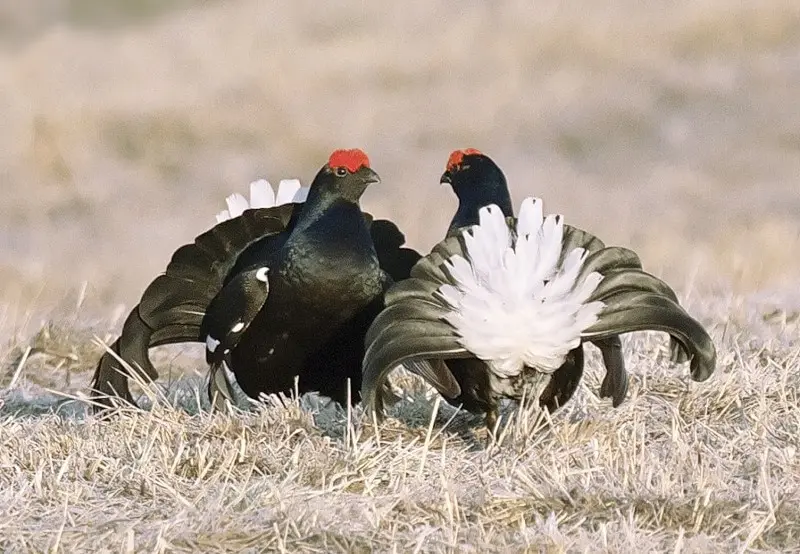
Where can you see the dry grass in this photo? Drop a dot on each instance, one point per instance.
(669, 127)
(680, 467)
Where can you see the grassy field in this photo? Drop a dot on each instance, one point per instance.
(670, 127)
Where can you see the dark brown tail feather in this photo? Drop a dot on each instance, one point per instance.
(172, 306)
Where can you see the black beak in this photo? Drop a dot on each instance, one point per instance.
(447, 177)
(369, 176)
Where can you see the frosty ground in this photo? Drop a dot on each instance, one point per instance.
(668, 128)
(680, 466)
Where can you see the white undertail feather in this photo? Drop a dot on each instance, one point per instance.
(211, 344)
(262, 196)
(511, 302)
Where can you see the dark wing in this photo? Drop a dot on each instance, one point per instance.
(173, 306)
(617, 261)
(231, 311)
(110, 378)
(411, 329)
(637, 301)
(228, 316)
(388, 240)
(437, 374)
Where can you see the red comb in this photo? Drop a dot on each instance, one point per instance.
(457, 157)
(352, 160)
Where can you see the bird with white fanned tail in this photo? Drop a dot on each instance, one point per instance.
(501, 307)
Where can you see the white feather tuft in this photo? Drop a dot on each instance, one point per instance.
(237, 204)
(287, 190)
(301, 195)
(262, 195)
(512, 303)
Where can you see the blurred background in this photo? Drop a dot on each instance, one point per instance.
(669, 127)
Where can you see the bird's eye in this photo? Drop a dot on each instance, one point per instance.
(341, 171)
(463, 167)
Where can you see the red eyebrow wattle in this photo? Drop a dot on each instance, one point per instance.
(457, 156)
(352, 160)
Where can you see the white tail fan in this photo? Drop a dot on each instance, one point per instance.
(262, 196)
(511, 302)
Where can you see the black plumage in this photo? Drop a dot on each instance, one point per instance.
(327, 264)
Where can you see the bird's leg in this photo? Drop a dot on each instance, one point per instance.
(491, 420)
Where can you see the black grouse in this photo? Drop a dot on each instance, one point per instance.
(275, 293)
(503, 305)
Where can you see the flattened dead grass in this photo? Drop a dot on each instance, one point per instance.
(681, 466)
